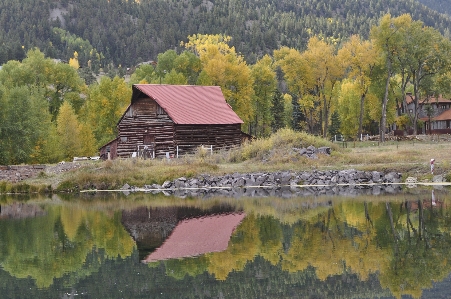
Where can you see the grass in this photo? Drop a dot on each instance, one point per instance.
(275, 153)
(23, 187)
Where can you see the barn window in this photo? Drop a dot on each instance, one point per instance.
(148, 139)
(124, 139)
(160, 110)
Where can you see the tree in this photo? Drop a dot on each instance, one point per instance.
(165, 62)
(189, 65)
(32, 89)
(57, 81)
(312, 76)
(24, 122)
(144, 74)
(68, 132)
(288, 108)
(349, 108)
(106, 103)
(73, 62)
(87, 140)
(175, 78)
(277, 111)
(326, 70)
(65, 85)
(298, 77)
(360, 58)
(264, 86)
(388, 38)
(335, 123)
(429, 112)
(429, 52)
(222, 66)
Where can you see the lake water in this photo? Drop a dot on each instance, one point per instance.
(154, 246)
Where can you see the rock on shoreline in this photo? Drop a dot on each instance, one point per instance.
(282, 183)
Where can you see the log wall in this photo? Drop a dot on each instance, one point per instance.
(189, 137)
(145, 123)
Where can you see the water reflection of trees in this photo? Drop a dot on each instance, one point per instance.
(60, 242)
(403, 243)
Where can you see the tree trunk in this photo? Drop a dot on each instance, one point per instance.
(326, 117)
(362, 101)
(384, 103)
(416, 91)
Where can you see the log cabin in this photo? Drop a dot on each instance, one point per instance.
(171, 120)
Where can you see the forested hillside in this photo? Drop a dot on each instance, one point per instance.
(443, 6)
(118, 32)
(279, 64)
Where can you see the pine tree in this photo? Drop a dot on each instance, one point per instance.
(334, 128)
(277, 111)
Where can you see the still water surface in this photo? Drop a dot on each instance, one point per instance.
(155, 246)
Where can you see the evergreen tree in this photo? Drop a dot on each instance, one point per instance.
(335, 123)
(277, 111)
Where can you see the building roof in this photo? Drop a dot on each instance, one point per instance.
(190, 104)
(193, 237)
(432, 100)
(446, 115)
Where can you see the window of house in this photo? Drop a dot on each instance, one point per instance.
(148, 139)
(160, 110)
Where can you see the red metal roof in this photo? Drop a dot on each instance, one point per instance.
(192, 104)
(197, 236)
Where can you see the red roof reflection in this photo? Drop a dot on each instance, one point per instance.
(193, 237)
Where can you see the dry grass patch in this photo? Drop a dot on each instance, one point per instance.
(135, 172)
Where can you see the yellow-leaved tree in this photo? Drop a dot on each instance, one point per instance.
(104, 107)
(312, 76)
(327, 70)
(222, 66)
(87, 140)
(73, 62)
(68, 131)
(298, 77)
(265, 84)
(348, 107)
(360, 58)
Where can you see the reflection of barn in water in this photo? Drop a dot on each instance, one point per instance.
(175, 232)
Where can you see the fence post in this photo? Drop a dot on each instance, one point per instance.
(177, 151)
(211, 149)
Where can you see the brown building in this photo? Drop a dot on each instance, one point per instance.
(439, 120)
(172, 120)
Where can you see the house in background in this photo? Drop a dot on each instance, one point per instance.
(439, 122)
(169, 120)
